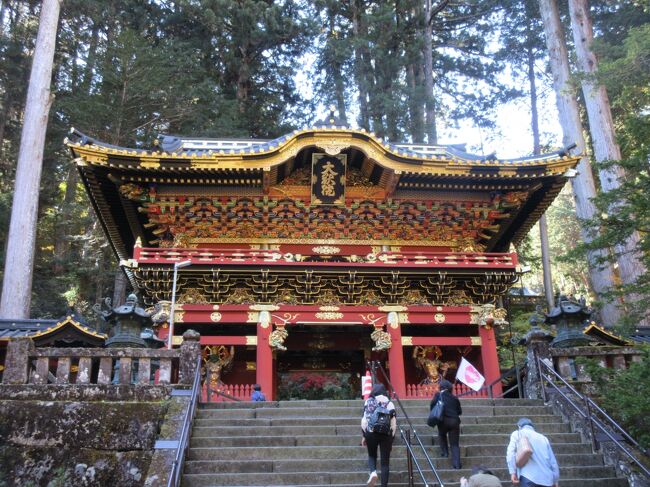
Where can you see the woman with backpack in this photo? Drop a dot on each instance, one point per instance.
(379, 426)
(450, 424)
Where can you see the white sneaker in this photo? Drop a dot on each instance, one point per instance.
(372, 480)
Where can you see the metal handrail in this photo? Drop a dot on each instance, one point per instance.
(593, 421)
(183, 442)
(405, 434)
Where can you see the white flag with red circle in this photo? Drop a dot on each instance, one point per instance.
(469, 376)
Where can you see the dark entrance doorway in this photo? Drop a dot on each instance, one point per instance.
(322, 362)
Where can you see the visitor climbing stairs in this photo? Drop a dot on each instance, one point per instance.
(317, 443)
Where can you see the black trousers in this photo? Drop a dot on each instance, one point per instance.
(385, 445)
(450, 429)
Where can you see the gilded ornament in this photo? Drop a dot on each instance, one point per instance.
(329, 308)
(215, 317)
(253, 317)
(476, 341)
(439, 317)
(193, 296)
(326, 250)
(251, 366)
(428, 359)
(407, 341)
(328, 315)
(179, 316)
(489, 316)
(382, 340)
(251, 339)
(277, 338)
(218, 360)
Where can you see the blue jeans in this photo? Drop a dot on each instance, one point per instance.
(524, 482)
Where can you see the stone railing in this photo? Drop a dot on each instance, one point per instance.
(419, 391)
(25, 364)
(226, 392)
(564, 359)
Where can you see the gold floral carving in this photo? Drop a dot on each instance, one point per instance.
(329, 308)
(329, 315)
(193, 296)
(326, 250)
(334, 147)
(458, 298)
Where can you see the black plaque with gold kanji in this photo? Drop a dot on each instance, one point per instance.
(328, 179)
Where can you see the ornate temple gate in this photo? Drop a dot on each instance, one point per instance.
(452, 330)
(321, 249)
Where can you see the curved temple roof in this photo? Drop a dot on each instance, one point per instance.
(407, 172)
(251, 153)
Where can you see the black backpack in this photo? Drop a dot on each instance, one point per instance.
(378, 418)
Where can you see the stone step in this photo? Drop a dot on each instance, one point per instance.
(418, 420)
(338, 452)
(604, 482)
(294, 412)
(350, 440)
(336, 429)
(407, 403)
(397, 462)
(360, 475)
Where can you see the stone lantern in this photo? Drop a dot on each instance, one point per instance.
(569, 316)
(130, 324)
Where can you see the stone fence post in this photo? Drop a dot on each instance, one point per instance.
(190, 351)
(17, 361)
(537, 345)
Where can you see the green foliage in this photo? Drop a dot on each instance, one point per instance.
(624, 394)
(299, 385)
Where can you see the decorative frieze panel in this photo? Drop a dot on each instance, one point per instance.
(326, 287)
(192, 219)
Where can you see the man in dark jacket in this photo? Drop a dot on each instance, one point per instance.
(450, 425)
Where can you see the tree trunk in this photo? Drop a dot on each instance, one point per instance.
(19, 263)
(583, 185)
(415, 104)
(534, 124)
(119, 288)
(430, 109)
(62, 231)
(601, 128)
(359, 71)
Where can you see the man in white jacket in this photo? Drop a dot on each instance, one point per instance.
(541, 470)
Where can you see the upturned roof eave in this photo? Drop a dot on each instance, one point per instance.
(331, 140)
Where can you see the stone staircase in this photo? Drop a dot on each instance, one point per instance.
(316, 443)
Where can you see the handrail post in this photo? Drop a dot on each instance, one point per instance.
(520, 391)
(409, 461)
(541, 377)
(594, 444)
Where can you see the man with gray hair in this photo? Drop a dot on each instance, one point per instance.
(541, 469)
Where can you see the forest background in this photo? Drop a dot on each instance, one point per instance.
(128, 70)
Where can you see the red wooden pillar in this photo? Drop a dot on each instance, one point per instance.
(264, 373)
(396, 358)
(490, 358)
